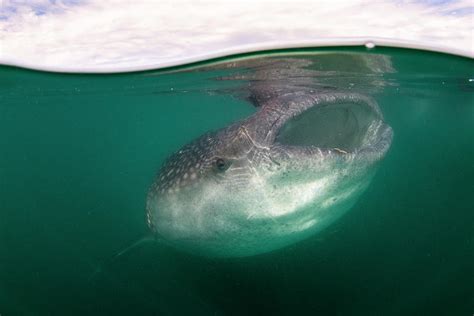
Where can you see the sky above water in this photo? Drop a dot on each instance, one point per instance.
(117, 34)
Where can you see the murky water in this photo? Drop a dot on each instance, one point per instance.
(79, 152)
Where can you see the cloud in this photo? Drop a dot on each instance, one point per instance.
(21, 8)
(112, 34)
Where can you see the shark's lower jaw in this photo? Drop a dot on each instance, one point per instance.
(307, 179)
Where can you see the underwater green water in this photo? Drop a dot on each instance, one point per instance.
(79, 152)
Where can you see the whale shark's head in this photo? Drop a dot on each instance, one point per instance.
(269, 180)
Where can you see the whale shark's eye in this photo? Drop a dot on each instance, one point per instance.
(221, 164)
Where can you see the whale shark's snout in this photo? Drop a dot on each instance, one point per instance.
(271, 179)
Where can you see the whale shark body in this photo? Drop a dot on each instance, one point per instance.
(271, 179)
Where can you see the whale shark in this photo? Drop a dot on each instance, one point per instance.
(272, 179)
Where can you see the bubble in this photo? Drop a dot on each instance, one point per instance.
(370, 45)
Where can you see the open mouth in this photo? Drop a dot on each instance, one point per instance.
(336, 125)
